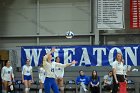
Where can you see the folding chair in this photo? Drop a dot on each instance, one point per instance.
(70, 85)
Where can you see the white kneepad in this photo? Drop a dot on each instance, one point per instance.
(40, 90)
(61, 88)
(26, 89)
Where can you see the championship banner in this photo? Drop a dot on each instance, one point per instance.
(84, 55)
(134, 13)
(110, 14)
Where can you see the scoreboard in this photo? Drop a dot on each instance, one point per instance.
(134, 13)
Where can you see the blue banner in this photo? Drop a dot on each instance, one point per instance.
(84, 55)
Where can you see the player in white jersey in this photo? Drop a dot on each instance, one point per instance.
(42, 76)
(7, 75)
(50, 70)
(27, 76)
(59, 71)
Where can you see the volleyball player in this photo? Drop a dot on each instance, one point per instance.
(27, 76)
(42, 75)
(59, 71)
(7, 75)
(118, 68)
(50, 70)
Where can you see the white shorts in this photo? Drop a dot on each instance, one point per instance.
(42, 79)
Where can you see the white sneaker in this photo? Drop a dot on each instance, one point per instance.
(11, 87)
(40, 90)
(85, 90)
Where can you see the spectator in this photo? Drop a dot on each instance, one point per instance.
(83, 81)
(94, 82)
(107, 83)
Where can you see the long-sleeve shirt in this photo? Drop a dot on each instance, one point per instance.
(50, 67)
(83, 79)
(7, 73)
(27, 70)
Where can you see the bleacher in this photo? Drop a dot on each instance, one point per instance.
(72, 72)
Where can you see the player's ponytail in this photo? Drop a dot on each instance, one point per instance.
(5, 62)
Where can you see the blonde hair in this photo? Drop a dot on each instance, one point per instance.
(121, 57)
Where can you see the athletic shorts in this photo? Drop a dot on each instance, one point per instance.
(42, 79)
(27, 77)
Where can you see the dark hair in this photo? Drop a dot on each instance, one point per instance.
(80, 71)
(94, 77)
(27, 59)
(110, 72)
(5, 62)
